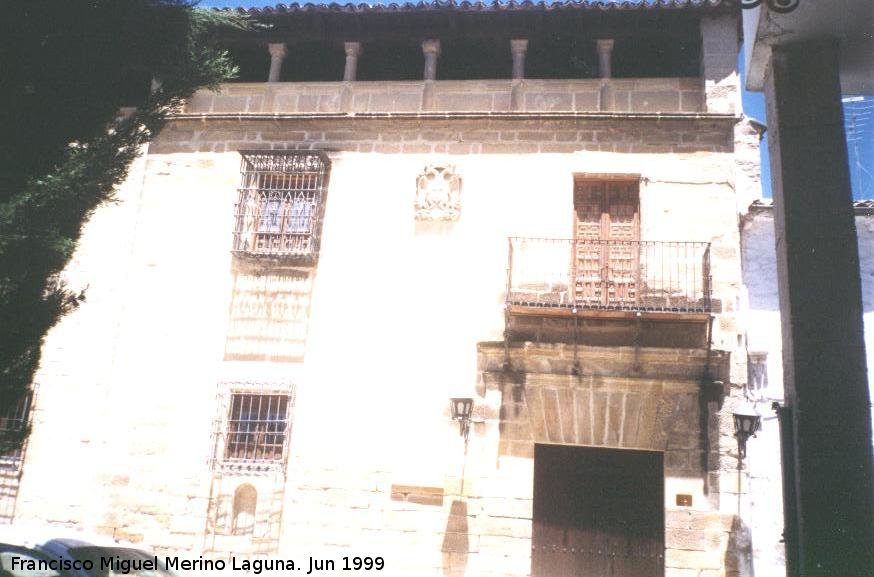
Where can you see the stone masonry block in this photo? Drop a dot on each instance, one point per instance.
(678, 519)
(587, 101)
(675, 572)
(548, 102)
(464, 102)
(710, 521)
(655, 101)
(503, 527)
(681, 558)
(228, 103)
(509, 148)
(285, 103)
(686, 539)
(561, 148)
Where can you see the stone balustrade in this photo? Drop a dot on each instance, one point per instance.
(646, 95)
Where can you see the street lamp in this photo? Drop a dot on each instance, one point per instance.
(462, 408)
(747, 423)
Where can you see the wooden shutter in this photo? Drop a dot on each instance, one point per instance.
(606, 247)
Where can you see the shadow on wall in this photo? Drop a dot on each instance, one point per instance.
(14, 424)
(739, 553)
(455, 541)
(10, 480)
(242, 520)
(269, 316)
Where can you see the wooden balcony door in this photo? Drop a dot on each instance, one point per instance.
(597, 512)
(606, 259)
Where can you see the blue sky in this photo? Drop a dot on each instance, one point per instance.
(859, 118)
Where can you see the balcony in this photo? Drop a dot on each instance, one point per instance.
(609, 292)
(610, 275)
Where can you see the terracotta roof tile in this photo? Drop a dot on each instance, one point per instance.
(478, 6)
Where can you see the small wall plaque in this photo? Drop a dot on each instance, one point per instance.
(684, 500)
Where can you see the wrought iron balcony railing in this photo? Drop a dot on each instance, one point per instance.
(609, 274)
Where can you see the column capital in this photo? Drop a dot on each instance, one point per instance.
(431, 46)
(352, 48)
(277, 49)
(605, 45)
(518, 45)
(518, 48)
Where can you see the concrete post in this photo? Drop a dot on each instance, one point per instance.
(431, 50)
(821, 310)
(277, 55)
(605, 58)
(518, 48)
(353, 51)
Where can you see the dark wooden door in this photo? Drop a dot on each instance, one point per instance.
(597, 512)
(606, 247)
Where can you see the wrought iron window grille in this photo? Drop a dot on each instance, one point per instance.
(280, 205)
(252, 428)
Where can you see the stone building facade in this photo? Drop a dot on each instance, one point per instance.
(301, 273)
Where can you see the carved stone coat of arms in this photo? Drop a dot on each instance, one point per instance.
(438, 193)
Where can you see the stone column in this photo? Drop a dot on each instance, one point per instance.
(518, 48)
(605, 58)
(277, 55)
(431, 50)
(353, 51)
(605, 71)
(821, 311)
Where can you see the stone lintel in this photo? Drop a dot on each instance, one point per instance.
(630, 366)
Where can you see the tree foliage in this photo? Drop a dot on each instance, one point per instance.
(67, 67)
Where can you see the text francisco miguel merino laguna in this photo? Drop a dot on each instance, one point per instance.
(127, 565)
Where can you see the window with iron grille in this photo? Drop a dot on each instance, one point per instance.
(257, 428)
(13, 426)
(280, 204)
